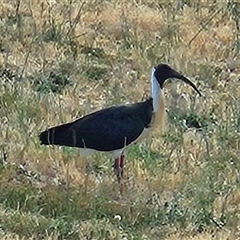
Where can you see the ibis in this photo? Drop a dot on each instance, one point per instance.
(115, 128)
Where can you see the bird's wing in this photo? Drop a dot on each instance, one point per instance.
(105, 130)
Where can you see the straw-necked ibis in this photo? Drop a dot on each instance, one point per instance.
(114, 129)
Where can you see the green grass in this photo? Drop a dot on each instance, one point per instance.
(61, 60)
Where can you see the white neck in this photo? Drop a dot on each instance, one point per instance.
(158, 103)
(156, 92)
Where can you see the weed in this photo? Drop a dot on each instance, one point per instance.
(95, 72)
(53, 83)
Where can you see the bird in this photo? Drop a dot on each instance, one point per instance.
(115, 128)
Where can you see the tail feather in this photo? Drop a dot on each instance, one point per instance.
(62, 135)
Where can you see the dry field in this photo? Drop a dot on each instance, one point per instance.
(62, 59)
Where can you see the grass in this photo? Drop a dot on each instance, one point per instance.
(61, 60)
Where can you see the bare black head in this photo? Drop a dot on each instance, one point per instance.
(163, 72)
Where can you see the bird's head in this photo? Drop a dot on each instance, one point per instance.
(163, 72)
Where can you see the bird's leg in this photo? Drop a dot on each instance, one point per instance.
(117, 169)
(122, 158)
(118, 166)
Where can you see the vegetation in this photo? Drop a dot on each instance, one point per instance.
(62, 59)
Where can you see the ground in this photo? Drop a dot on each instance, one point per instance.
(60, 60)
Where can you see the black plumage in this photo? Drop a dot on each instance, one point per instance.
(105, 130)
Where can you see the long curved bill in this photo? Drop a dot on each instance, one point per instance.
(184, 79)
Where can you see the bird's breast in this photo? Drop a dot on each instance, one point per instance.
(145, 134)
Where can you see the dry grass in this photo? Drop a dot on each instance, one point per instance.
(183, 185)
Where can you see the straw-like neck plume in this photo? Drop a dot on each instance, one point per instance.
(158, 102)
